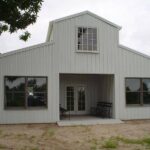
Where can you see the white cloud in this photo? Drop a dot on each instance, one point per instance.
(133, 16)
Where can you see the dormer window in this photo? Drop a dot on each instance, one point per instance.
(87, 39)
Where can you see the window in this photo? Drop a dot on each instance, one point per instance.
(87, 39)
(25, 92)
(137, 91)
(146, 91)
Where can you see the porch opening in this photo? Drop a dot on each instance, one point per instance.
(84, 96)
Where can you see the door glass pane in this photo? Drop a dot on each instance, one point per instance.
(70, 98)
(81, 98)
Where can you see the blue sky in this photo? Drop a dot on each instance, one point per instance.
(132, 15)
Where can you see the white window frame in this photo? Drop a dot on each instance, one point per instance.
(76, 40)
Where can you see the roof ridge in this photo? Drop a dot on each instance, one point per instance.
(89, 13)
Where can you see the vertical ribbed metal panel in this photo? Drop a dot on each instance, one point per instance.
(61, 57)
(111, 59)
(34, 62)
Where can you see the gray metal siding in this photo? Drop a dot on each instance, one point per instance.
(110, 59)
(34, 62)
(61, 57)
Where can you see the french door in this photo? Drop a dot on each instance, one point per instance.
(76, 99)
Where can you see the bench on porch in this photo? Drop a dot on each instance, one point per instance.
(102, 109)
(62, 111)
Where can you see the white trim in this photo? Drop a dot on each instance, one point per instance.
(25, 49)
(50, 29)
(133, 51)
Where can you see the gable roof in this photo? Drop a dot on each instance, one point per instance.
(91, 14)
(77, 15)
(50, 28)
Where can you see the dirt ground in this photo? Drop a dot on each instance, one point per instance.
(52, 137)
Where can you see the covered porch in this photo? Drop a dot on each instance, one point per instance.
(80, 94)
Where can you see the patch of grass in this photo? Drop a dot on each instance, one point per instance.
(5, 135)
(110, 143)
(94, 147)
(94, 144)
(31, 138)
(146, 140)
(50, 133)
(21, 136)
(129, 141)
(141, 141)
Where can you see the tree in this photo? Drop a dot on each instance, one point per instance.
(18, 15)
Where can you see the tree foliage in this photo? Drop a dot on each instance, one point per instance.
(18, 15)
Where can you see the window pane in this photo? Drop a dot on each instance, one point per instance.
(15, 99)
(84, 31)
(146, 98)
(37, 99)
(90, 36)
(37, 84)
(94, 42)
(37, 91)
(146, 85)
(14, 91)
(79, 41)
(90, 30)
(84, 41)
(94, 31)
(132, 85)
(90, 42)
(94, 47)
(89, 47)
(79, 30)
(85, 47)
(133, 97)
(94, 36)
(85, 36)
(14, 83)
(79, 47)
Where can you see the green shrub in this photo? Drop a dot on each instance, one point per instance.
(111, 143)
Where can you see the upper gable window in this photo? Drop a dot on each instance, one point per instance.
(87, 39)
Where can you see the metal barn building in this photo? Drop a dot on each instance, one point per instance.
(80, 65)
